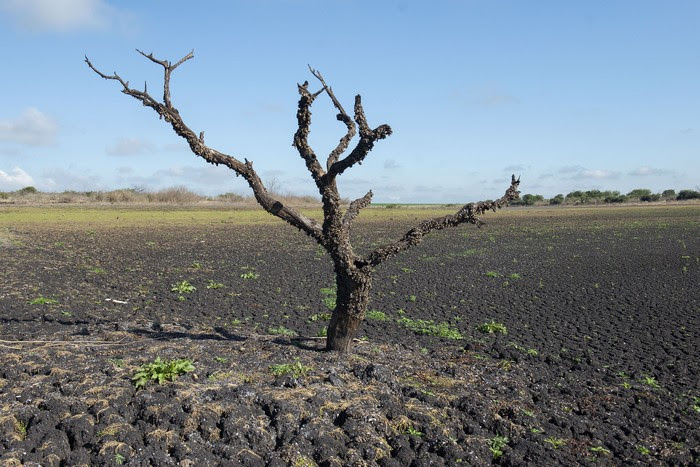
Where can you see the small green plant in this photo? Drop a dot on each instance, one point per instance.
(600, 450)
(281, 331)
(250, 275)
(296, 369)
(430, 328)
(183, 287)
(496, 445)
(411, 298)
(320, 317)
(643, 450)
(119, 459)
(41, 300)
(650, 381)
(696, 404)
(376, 315)
(529, 413)
(212, 284)
(220, 359)
(323, 332)
(492, 274)
(21, 429)
(413, 431)
(329, 297)
(515, 276)
(196, 265)
(492, 327)
(161, 371)
(556, 443)
(98, 271)
(407, 270)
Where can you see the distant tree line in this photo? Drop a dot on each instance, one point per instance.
(183, 195)
(606, 197)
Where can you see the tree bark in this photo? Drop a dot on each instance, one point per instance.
(352, 295)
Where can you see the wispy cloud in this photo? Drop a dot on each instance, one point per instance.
(390, 164)
(645, 171)
(129, 147)
(32, 128)
(15, 179)
(60, 179)
(59, 15)
(579, 172)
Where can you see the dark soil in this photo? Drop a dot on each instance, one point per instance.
(600, 364)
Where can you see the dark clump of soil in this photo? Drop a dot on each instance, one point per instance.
(592, 356)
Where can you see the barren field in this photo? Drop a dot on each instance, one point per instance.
(550, 336)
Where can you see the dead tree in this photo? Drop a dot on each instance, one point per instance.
(353, 272)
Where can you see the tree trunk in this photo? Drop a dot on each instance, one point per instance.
(350, 306)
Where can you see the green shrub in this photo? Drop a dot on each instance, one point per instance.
(493, 328)
(688, 194)
(161, 371)
(183, 287)
(27, 190)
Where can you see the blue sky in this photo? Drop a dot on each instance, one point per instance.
(568, 95)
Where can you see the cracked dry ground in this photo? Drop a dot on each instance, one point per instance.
(599, 364)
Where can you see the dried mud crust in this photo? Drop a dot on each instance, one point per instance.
(600, 363)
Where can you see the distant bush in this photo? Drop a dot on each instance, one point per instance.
(639, 193)
(615, 197)
(648, 198)
(668, 194)
(688, 194)
(528, 200)
(231, 197)
(558, 199)
(177, 195)
(27, 190)
(4, 195)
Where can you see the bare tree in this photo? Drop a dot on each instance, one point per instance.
(353, 272)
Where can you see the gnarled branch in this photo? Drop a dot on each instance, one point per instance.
(467, 214)
(367, 139)
(342, 117)
(354, 209)
(171, 115)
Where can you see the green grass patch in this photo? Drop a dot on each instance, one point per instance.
(281, 331)
(376, 315)
(492, 327)
(296, 369)
(430, 328)
(41, 300)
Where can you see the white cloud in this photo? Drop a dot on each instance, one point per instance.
(32, 128)
(598, 174)
(59, 15)
(647, 171)
(129, 147)
(578, 172)
(15, 179)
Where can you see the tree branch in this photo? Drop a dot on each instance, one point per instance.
(342, 116)
(171, 115)
(367, 139)
(354, 209)
(168, 69)
(301, 137)
(467, 214)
